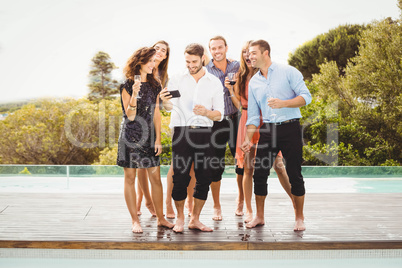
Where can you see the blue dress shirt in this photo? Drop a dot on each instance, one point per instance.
(283, 82)
(232, 67)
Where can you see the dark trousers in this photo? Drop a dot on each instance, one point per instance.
(224, 132)
(188, 146)
(274, 138)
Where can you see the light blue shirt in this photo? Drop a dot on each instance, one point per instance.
(283, 82)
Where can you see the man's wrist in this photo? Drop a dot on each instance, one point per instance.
(167, 105)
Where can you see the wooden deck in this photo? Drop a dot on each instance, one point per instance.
(101, 221)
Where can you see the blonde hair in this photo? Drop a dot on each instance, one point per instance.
(244, 72)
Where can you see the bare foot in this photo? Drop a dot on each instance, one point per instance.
(179, 226)
(217, 214)
(169, 211)
(150, 207)
(136, 228)
(299, 225)
(239, 209)
(165, 223)
(197, 225)
(249, 217)
(255, 222)
(139, 213)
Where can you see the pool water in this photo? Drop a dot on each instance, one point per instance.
(54, 258)
(229, 185)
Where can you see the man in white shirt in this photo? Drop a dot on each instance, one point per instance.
(200, 103)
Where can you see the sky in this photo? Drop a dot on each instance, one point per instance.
(46, 46)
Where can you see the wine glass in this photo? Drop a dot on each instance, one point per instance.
(272, 116)
(231, 77)
(137, 78)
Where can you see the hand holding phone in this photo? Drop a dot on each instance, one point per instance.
(174, 93)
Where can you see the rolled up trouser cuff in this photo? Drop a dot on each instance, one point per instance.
(260, 188)
(180, 183)
(239, 171)
(299, 190)
(202, 195)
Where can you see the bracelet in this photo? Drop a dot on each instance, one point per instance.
(132, 108)
(232, 95)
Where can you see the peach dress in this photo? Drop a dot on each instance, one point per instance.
(241, 133)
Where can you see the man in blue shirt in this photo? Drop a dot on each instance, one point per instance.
(276, 92)
(226, 130)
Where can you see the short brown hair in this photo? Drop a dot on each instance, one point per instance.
(218, 37)
(263, 46)
(195, 49)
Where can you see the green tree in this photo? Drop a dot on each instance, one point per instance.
(339, 45)
(101, 83)
(369, 99)
(376, 79)
(59, 132)
(107, 156)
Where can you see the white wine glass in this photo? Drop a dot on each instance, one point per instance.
(137, 78)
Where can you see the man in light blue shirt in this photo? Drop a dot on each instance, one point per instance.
(276, 92)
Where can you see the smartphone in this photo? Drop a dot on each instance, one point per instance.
(175, 93)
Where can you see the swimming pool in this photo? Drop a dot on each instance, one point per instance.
(23, 257)
(109, 179)
(57, 258)
(229, 185)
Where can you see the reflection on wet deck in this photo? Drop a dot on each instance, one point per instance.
(101, 221)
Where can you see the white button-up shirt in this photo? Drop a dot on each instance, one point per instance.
(208, 91)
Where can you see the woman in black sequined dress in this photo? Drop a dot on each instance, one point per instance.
(161, 71)
(139, 143)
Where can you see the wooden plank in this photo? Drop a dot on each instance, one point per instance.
(201, 245)
(91, 220)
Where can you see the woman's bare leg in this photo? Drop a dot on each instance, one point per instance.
(240, 197)
(190, 192)
(130, 197)
(248, 182)
(139, 198)
(280, 170)
(169, 207)
(144, 188)
(157, 195)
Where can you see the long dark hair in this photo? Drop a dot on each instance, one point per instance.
(141, 57)
(244, 72)
(163, 65)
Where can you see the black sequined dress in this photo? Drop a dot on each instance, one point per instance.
(136, 146)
